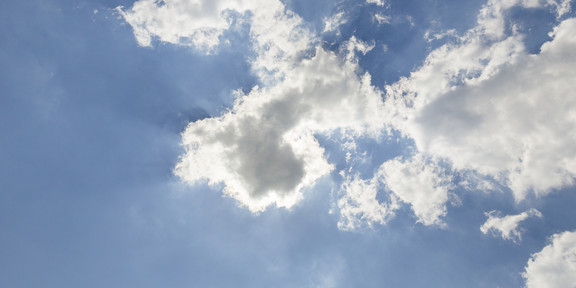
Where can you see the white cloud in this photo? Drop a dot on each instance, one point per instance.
(418, 182)
(377, 2)
(333, 22)
(280, 39)
(491, 20)
(507, 226)
(263, 150)
(359, 206)
(555, 265)
(197, 23)
(382, 19)
(486, 105)
(422, 184)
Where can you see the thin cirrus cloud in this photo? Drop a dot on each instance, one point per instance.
(377, 2)
(507, 226)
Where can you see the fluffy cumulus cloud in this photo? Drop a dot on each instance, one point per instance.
(422, 184)
(486, 105)
(278, 34)
(480, 103)
(264, 149)
(507, 226)
(334, 22)
(418, 182)
(359, 204)
(377, 2)
(198, 23)
(555, 265)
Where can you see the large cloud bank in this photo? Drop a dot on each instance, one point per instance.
(479, 104)
(486, 105)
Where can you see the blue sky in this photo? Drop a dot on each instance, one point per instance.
(267, 143)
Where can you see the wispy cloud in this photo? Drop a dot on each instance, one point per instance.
(264, 149)
(418, 182)
(507, 226)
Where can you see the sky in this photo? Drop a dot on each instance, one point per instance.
(288, 143)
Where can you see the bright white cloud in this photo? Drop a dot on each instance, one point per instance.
(481, 104)
(507, 226)
(486, 105)
(264, 150)
(188, 22)
(555, 265)
(377, 2)
(359, 206)
(491, 20)
(418, 182)
(354, 46)
(275, 31)
(333, 22)
(382, 19)
(422, 184)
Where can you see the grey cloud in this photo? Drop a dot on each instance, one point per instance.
(267, 164)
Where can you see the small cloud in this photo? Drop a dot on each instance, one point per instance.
(354, 46)
(382, 19)
(507, 226)
(422, 184)
(333, 23)
(431, 36)
(377, 2)
(263, 150)
(417, 182)
(359, 206)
